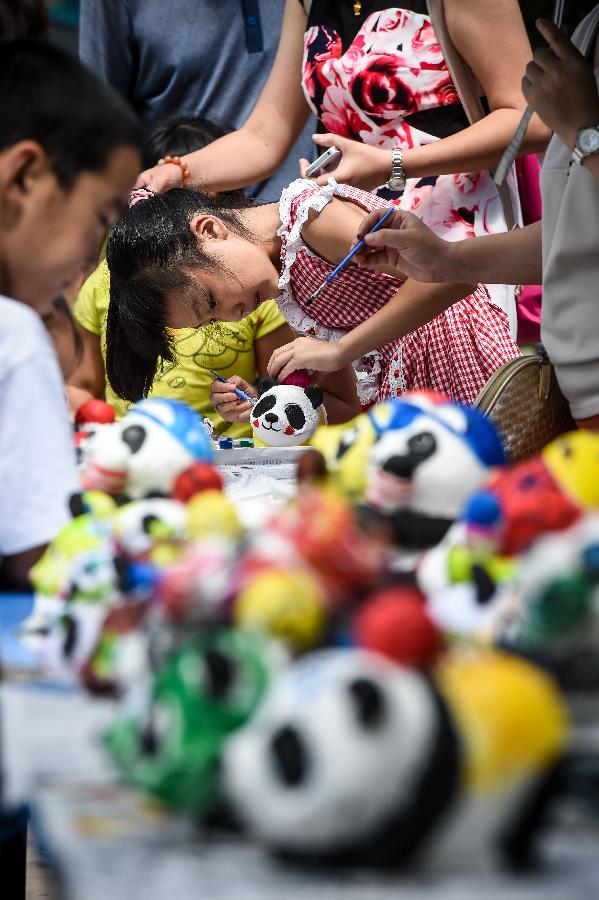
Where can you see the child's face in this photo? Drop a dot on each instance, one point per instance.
(244, 276)
(52, 234)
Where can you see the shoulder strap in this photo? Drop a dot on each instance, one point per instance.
(466, 89)
(584, 36)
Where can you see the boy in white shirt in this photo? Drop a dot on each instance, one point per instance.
(69, 153)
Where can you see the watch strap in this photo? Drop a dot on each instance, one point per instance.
(397, 172)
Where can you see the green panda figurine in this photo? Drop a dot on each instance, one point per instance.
(208, 687)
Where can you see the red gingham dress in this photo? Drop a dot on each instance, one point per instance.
(454, 353)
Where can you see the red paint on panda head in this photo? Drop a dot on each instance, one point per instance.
(289, 430)
(256, 423)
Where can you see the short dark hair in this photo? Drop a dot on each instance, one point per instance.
(23, 19)
(48, 96)
(180, 135)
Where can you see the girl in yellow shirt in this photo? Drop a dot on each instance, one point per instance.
(232, 349)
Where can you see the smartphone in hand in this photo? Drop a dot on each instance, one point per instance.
(325, 161)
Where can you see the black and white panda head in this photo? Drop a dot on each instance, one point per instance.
(285, 414)
(425, 465)
(349, 759)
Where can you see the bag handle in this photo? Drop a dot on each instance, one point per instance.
(467, 91)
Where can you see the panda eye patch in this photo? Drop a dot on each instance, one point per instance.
(134, 436)
(289, 756)
(295, 416)
(220, 674)
(70, 637)
(263, 406)
(347, 440)
(148, 741)
(368, 702)
(423, 444)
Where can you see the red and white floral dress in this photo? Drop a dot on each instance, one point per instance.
(455, 353)
(380, 78)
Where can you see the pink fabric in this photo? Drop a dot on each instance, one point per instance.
(393, 68)
(453, 354)
(528, 304)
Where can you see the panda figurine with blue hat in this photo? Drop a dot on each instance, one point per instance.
(146, 450)
(429, 457)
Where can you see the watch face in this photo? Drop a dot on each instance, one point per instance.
(398, 183)
(588, 140)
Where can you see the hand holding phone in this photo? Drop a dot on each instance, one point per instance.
(324, 163)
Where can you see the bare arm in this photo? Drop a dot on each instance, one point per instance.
(256, 150)
(409, 246)
(339, 389)
(14, 570)
(490, 36)
(329, 235)
(89, 375)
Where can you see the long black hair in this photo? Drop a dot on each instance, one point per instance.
(150, 251)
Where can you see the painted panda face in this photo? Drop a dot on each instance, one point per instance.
(205, 689)
(135, 455)
(138, 525)
(286, 415)
(425, 467)
(144, 452)
(335, 751)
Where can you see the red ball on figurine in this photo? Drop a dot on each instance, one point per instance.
(96, 412)
(299, 378)
(395, 623)
(198, 477)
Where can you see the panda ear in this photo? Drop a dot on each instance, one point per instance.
(265, 384)
(77, 505)
(314, 395)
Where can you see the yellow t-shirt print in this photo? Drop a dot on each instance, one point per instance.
(226, 347)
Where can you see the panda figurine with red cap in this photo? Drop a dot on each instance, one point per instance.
(287, 414)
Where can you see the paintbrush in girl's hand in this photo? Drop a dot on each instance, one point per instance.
(349, 256)
(241, 394)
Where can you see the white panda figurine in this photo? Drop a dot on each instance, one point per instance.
(286, 415)
(143, 453)
(426, 462)
(354, 761)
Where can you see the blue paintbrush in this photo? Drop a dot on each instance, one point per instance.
(349, 256)
(241, 394)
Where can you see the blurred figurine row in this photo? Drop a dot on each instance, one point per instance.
(371, 677)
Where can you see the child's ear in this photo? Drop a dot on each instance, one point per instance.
(20, 167)
(314, 395)
(208, 228)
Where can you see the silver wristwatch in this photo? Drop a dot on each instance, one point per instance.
(397, 181)
(587, 144)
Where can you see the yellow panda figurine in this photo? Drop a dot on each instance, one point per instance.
(346, 449)
(512, 726)
(573, 460)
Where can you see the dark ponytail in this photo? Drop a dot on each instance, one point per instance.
(150, 250)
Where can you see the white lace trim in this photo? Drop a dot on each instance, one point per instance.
(368, 367)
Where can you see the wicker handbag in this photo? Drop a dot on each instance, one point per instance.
(524, 401)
